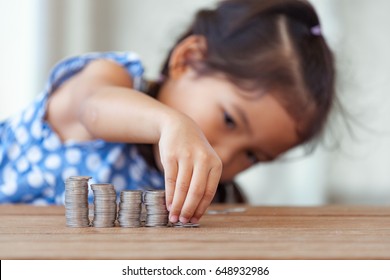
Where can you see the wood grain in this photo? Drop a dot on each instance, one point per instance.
(329, 232)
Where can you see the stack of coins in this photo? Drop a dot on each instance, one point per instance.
(76, 201)
(156, 211)
(130, 208)
(105, 208)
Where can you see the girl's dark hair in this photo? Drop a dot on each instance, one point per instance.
(273, 47)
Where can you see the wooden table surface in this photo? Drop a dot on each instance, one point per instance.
(329, 232)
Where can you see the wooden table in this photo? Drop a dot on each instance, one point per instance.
(329, 232)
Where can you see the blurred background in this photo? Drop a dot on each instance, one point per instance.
(348, 167)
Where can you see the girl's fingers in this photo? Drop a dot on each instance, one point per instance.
(170, 173)
(211, 187)
(195, 193)
(181, 189)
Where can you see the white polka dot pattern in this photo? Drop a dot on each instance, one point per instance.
(119, 182)
(53, 161)
(51, 143)
(14, 151)
(35, 178)
(73, 156)
(9, 188)
(28, 114)
(22, 165)
(93, 162)
(104, 174)
(34, 154)
(36, 130)
(22, 135)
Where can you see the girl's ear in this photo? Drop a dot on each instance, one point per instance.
(191, 49)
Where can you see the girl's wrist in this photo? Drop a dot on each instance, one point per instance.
(168, 119)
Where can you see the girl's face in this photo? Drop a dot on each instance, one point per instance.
(243, 131)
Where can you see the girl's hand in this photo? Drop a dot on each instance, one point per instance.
(192, 169)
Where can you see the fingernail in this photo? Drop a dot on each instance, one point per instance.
(194, 220)
(183, 220)
(173, 219)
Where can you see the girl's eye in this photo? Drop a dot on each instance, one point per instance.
(229, 121)
(253, 159)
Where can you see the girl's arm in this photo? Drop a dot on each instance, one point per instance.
(99, 103)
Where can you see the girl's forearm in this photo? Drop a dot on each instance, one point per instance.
(120, 114)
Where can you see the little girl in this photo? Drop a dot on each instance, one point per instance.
(247, 82)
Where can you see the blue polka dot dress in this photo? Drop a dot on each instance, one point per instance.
(34, 162)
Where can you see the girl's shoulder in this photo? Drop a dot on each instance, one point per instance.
(70, 66)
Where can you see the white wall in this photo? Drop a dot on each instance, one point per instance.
(360, 170)
(19, 24)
